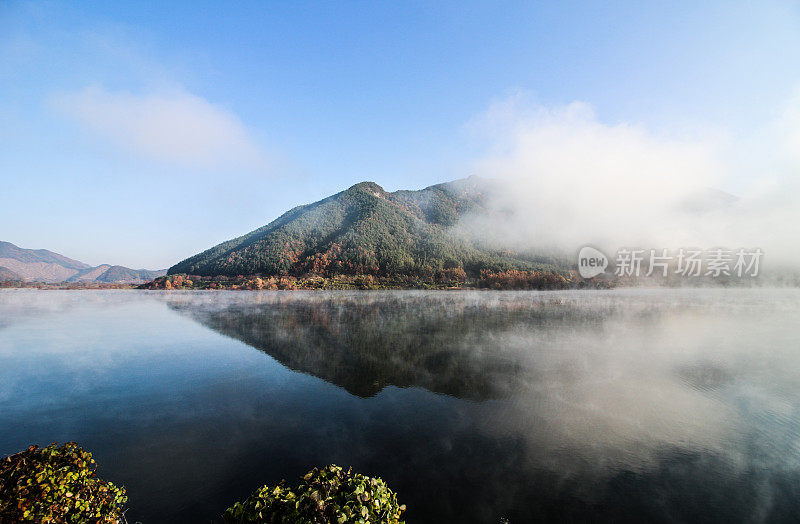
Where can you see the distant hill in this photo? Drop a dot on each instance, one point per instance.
(364, 230)
(89, 274)
(6, 275)
(41, 265)
(38, 265)
(124, 275)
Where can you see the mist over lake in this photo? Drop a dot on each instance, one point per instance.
(629, 404)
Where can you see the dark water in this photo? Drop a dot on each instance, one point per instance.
(631, 405)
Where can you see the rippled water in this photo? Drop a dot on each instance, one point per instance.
(639, 405)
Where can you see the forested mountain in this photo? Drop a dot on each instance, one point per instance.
(364, 230)
(41, 265)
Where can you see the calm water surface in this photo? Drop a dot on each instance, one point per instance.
(637, 405)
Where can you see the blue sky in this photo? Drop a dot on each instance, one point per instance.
(139, 133)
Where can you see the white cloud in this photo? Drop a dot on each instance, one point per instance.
(571, 179)
(174, 126)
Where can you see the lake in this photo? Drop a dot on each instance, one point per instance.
(623, 405)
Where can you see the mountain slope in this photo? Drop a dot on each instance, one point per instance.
(89, 274)
(362, 230)
(124, 275)
(106, 273)
(41, 265)
(6, 275)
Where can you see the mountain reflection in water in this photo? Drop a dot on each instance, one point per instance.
(626, 405)
(592, 385)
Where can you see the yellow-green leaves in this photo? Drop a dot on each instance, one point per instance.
(327, 495)
(57, 484)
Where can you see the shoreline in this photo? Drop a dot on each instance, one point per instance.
(524, 280)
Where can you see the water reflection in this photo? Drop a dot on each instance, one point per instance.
(574, 371)
(593, 385)
(624, 405)
(364, 343)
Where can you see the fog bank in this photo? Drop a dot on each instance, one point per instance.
(568, 179)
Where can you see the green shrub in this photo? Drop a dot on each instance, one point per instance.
(57, 484)
(327, 495)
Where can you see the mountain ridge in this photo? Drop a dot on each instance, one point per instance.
(365, 230)
(42, 265)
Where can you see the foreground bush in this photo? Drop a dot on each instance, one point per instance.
(57, 484)
(327, 495)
